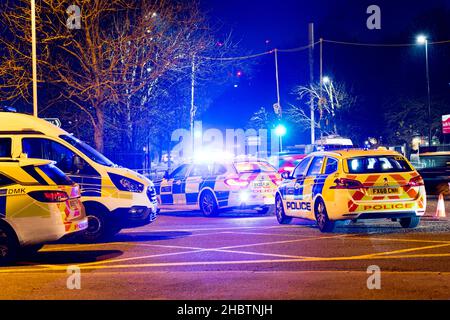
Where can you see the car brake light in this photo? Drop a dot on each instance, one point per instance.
(49, 196)
(416, 182)
(344, 183)
(235, 182)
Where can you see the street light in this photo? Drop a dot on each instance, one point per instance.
(33, 57)
(280, 131)
(326, 80)
(422, 40)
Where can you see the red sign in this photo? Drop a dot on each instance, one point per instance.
(446, 124)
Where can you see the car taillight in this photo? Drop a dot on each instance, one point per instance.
(236, 182)
(416, 182)
(49, 196)
(343, 183)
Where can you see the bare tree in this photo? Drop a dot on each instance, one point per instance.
(116, 68)
(329, 102)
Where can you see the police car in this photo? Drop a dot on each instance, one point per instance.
(213, 186)
(38, 204)
(350, 185)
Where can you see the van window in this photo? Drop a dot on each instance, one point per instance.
(5, 147)
(90, 152)
(66, 160)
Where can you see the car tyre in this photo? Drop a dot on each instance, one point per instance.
(208, 204)
(8, 246)
(410, 223)
(97, 229)
(320, 212)
(279, 211)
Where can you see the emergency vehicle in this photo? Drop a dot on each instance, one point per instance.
(352, 184)
(211, 187)
(114, 197)
(38, 204)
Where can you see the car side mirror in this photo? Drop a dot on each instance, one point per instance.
(166, 175)
(286, 175)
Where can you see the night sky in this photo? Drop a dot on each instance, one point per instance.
(374, 74)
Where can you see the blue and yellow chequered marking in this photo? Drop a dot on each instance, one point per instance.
(186, 191)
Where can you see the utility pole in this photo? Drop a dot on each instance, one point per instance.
(193, 109)
(33, 57)
(311, 79)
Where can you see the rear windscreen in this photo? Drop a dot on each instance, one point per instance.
(378, 164)
(57, 176)
(253, 167)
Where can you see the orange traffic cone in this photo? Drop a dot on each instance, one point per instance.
(440, 209)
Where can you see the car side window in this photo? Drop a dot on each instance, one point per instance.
(5, 147)
(180, 172)
(300, 170)
(5, 181)
(315, 167)
(200, 170)
(331, 166)
(66, 160)
(219, 169)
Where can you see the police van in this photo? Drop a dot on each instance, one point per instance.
(349, 185)
(114, 197)
(38, 204)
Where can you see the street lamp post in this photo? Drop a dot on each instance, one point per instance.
(422, 40)
(280, 131)
(33, 57)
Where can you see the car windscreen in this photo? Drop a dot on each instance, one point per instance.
(378, 164)
(57, 176)
(252, 167)
(90, 152)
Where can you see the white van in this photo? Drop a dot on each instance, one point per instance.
(114, 197)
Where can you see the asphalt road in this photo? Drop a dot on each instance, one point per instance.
(241, 255)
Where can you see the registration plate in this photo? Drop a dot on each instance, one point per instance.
(387, 190)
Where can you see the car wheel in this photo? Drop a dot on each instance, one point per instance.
(208, 204)
(324, 223)
(279, 211)
(8, 246)
(410, 223)
(96, 230)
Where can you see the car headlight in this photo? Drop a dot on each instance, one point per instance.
(126, 184)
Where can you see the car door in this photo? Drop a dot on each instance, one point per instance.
(198, 174)
(311, 184)
(293, 194)
(172, 187)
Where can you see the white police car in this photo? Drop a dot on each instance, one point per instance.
(213, 186)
